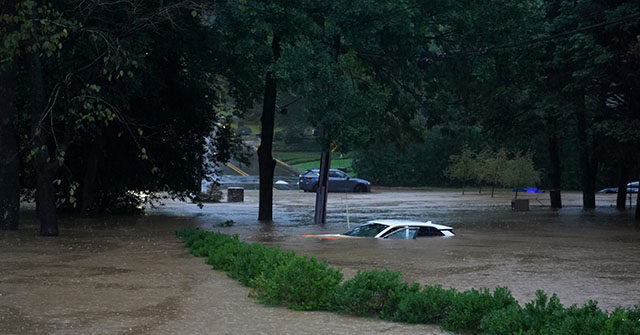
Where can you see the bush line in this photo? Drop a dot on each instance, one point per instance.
(281, 278)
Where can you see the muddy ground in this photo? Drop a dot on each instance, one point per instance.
(131, 275)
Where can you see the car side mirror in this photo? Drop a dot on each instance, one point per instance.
(348, 177)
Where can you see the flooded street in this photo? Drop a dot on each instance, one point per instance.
(131, 275)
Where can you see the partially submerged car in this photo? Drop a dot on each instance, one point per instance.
(393, 229)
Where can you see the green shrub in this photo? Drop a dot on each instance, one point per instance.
(623, 322)
(371, 293)
(585, 320)
(301, 283)
(255, 260)
(427, 306)
(534, 316)
(469, 308)
(195, 241)
(510, 320)
(547, 316)
(222, 252)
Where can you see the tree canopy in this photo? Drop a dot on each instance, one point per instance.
(102, 100)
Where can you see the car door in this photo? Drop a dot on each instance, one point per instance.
(404, 233)
(337, 181)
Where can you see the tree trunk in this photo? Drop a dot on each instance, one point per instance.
(493, 188)
(46, 200)
(9, 161)
(621, 198)
(44, 168)
(555, 169)
(91, 173)
(587, 161)
(266, 162)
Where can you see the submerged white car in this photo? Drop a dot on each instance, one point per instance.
(393, 229)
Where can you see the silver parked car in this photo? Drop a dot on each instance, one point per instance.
(339, 181)
(632, 187)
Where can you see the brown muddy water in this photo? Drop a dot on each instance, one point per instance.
(130, 275)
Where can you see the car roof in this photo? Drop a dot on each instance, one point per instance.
(317, 170)
(393, 223)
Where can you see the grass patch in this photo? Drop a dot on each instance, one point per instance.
(282, 278)
(340, 163)
(297, 157)
(304, 160)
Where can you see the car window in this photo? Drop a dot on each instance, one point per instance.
(448, 233)
(429, 231)
(336, 174)
(403, 234)
(367, 230)
(310, 173)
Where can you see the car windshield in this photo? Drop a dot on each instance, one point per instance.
(366, 230)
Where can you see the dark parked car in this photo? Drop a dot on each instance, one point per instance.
(338, 182)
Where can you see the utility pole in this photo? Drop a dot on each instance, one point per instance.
(322, 191)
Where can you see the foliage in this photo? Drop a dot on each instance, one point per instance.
(276, 277)
(336, 163)
(420, 163)
(492, 167)
(36, 28)
(302, 283)
(469, 308)
(463, 167)
(297, 157)
(520, 171)
(429, 305)
(227, 223)
(132, 99)
(548, 316)
(372, 293)
(623, 322)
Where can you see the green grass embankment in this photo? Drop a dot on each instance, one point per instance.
(303, 161)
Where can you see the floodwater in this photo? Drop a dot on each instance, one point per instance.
(128, 275)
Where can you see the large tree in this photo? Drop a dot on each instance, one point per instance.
(9, 161)
(112, 97)
(250, 36)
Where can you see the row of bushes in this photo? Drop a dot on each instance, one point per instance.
(302, 283)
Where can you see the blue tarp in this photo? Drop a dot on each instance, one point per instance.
(527, 189)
